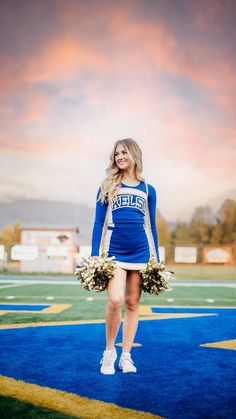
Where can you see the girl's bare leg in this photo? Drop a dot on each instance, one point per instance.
(132, 297)
(115, 291)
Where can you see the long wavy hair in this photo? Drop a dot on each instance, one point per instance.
(111, 184)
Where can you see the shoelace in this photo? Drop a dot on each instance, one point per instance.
(107, 359)
(127, 358)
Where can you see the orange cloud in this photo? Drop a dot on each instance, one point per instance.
(32, 143)
(128, 60)
(61, 60)
(155, 43)
(136, 47)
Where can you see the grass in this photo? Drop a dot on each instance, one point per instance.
(14, 409)
(222, 272)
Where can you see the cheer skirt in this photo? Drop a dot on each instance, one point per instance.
(128, 243)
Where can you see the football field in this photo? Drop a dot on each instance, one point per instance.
(52, 337)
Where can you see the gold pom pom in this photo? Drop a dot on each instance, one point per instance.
(95, 272)
(154, 279)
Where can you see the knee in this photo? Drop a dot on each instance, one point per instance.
(115, 303)
(132, 304)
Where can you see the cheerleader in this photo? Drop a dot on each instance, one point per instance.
(125, 228)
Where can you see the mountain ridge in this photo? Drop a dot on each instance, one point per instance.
(45, 214)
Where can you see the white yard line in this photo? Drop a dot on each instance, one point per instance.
(203, 284)
(39, 281)
(12, 286)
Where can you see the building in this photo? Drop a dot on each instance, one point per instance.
(47, 249)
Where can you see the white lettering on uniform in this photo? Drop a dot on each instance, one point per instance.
(124, 201)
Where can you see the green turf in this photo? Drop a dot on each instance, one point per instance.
(14, 409)
(82, 308)
(186, 271)
(60, 290)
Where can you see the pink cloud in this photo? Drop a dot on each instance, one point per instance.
(182, 140)
(17, 142)
(62, 59)
(12, 73)
(32, 143)
(129, 52)
(229, 133)
(136, 47)
(180, 57)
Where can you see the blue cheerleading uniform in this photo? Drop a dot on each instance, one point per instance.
(125, 229)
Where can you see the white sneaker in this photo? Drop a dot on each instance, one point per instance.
(126, 363)
(107, 361)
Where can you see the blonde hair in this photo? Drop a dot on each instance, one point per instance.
(111, 184)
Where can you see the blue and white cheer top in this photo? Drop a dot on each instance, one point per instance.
(125, 228)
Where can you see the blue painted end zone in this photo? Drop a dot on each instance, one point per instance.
(176, 377)
(25, 307)
(190, 310)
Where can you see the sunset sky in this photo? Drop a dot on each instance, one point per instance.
(78, 75)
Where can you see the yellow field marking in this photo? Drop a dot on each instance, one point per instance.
(224, 344)
(67, 403)
(134, 345)
(53, 309)
(159, 316)
(58, 323)
(56, 308)
(145, 310)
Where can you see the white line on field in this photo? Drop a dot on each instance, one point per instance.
(12, 286)
(185, 283)
(36, 282)
(203, 284)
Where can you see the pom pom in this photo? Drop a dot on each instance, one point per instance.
(154, 279)
(95, 272)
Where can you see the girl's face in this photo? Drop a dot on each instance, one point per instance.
(122, 158)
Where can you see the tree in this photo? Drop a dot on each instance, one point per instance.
(208, 228)
(201, 225)
(216, 234)
(163, 229)
(11, 235)
(227, 218)
(181, 235)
